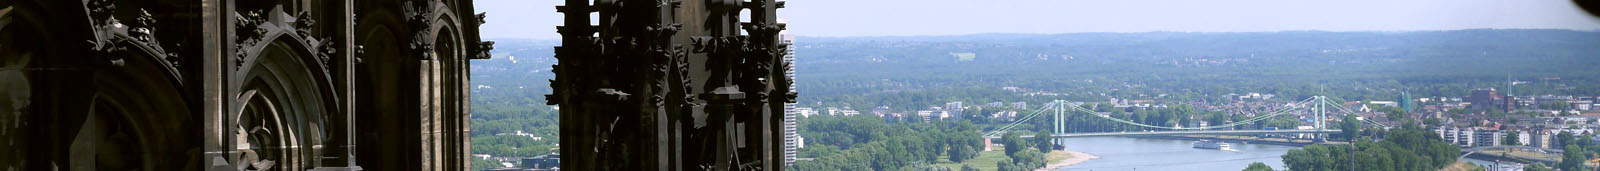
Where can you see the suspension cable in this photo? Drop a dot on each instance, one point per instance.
(1290, 107)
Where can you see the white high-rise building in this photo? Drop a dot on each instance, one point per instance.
(791, 134)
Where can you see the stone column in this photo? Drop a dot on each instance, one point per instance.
(339, 152)
(217, 18)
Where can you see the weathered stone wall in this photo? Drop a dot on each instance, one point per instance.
(236, 84)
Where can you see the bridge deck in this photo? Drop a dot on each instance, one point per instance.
(1202, 132)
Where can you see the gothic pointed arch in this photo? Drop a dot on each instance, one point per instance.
(280, 121)
(101, 93)
(390, 95)
(450, 54)
(444, 33)
(268, 84)
(145, 115)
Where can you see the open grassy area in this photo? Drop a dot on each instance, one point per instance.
(1057, 156)
(1461, 166)
(986, 159)
(1524, 154)
(965, 56)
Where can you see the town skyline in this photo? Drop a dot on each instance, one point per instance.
(518, 19)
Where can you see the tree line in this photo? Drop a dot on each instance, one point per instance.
(1407, 148)
(870, 143)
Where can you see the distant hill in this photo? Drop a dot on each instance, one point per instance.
(1163, 60)
(517, 71)
(913, 73)
(1517, 46)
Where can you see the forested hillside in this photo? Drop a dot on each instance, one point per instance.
(907, 73)
(1094, 66)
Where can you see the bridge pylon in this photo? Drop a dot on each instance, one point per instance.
(1321, 109)
(1060, 122)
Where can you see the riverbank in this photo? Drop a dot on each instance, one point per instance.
(1461, 166)
(986, 159)
(1063, 158)
(1524, 157)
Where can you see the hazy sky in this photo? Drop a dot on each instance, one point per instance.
(536, 19)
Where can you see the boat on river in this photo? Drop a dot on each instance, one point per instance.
(1205, 144)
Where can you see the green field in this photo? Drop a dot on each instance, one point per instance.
(965, 56)
(986, 159)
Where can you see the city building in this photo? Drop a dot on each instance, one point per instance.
(925, 114)
(955, 108)
(791, 135)
(1486, 138)
(805, 111)
(849, 113)
(1540, 139)
(1461, 136)
(1466, 137)
(1445, 133)
(1524, 138)
(543, 162)
(1405, 102)
(1385, 103)
(1476, 137)
(1581, 105)
(1508, 103)
(1483, 98)
(1004, 115)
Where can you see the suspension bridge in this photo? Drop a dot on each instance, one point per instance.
(1318, 106)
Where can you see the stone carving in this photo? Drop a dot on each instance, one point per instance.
(122, 91)
(303, 24)
(143, 28)
(100, 11)
(105, 25)
(172, 58)
(247, 27)
(759, 65)
(483, 50)
(239, 55)
(661, 59)
(420, 20)
(107, 51)
(143, 31)
(786, 86)
(247, 32)
(326, 50)
(111, 31)
(481, 16)
(681, 59)
(360, 51)
(702, 105)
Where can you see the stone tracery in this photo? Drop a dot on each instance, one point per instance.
(271, 85)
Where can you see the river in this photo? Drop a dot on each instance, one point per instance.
(1121, 153)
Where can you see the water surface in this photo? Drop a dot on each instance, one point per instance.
(1120, 153)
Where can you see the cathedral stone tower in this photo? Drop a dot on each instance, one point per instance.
(671, 85)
